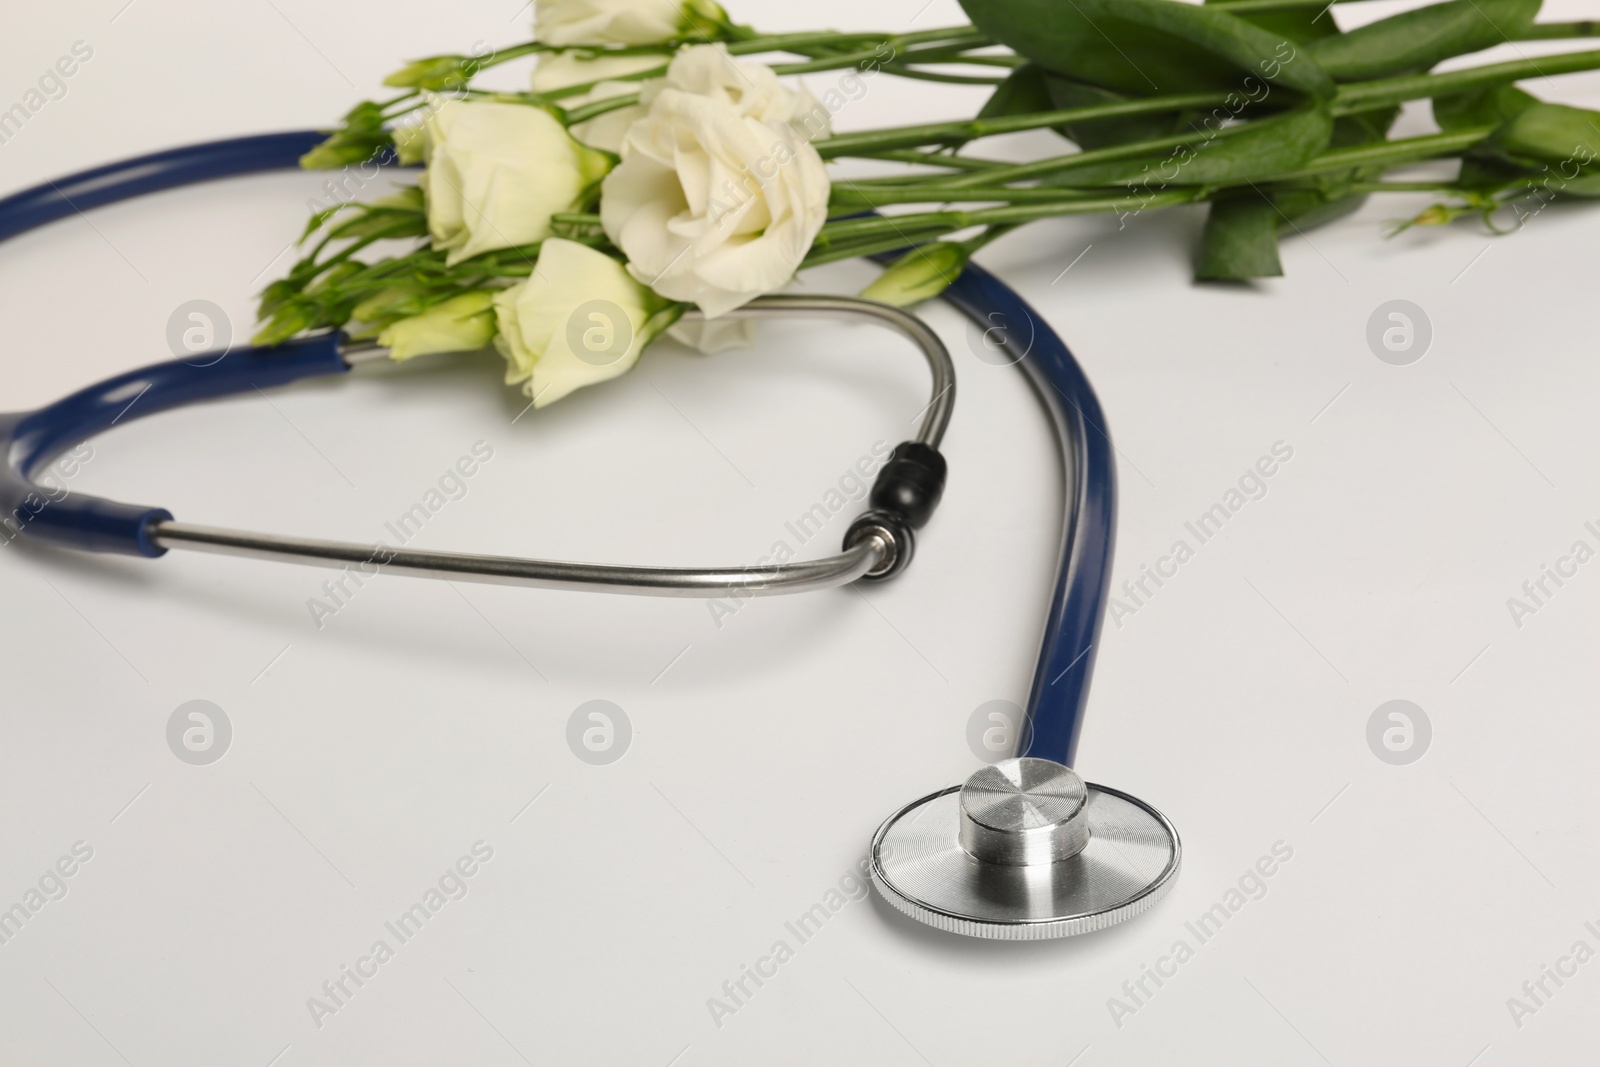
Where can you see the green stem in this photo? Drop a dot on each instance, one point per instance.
(949, 221)
(900, 70)
(1558, 31)
(1388, 153)
(1363, 188)
(945, 193)
(973, 129)
(786, 42)
(893, 243)
(1008, 60)
(797, 43)
(600, 107)
(1252, 7)
(1353, 98)
(973, 244)
(839, 60)
(1115, 153)
(1383, 92)
(926, 159)
(506, 55)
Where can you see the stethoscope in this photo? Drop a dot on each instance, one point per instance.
(1025, 849)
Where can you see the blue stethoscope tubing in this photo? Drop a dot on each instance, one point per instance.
(30, 440)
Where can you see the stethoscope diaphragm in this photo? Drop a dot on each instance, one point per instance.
(1025, 850)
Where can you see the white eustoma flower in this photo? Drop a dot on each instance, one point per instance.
(497, 172)
(628, 22)
(711, 206)
(752, 89)
(559, 70)
(579, 319)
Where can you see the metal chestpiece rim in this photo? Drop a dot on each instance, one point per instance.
(1025, 850)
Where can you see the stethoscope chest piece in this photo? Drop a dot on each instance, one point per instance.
(1025, 850)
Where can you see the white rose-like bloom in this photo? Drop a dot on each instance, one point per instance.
(579, 319)
(753, 89)
(711, 206)
(629, 22)
(558, 70)
(497, 172)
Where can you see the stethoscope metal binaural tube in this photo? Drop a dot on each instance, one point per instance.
(854, 562)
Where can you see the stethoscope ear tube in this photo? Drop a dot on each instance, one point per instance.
(29, 441)
(151, 173)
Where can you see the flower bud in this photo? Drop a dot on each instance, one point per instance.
(704, 19)
(463, 323)
(345, 149)
(920, 274)
(626, 22)
(410, 145)
(436, 74)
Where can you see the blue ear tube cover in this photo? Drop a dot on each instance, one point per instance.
(30, 440)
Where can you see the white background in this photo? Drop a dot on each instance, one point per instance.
(369, 755)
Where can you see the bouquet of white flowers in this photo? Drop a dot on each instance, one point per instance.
(651, 166)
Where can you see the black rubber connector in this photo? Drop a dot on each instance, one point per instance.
(895, 532)
(911, 483)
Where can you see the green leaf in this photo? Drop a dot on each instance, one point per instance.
(1146, 47)
(320, 219)
(1103, 133)
(334, 278)
(285, 323)
(1486, 174)
(276, 295)
(387, 222)
(1260, 148)
(1305, 209)
(1300, 24)
(1483, 107)
(1586, 186)
(1328, 198)
(1240, 240)
(1363, 127)
(1415, 40)
(1555, 134)
(1024, 92)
